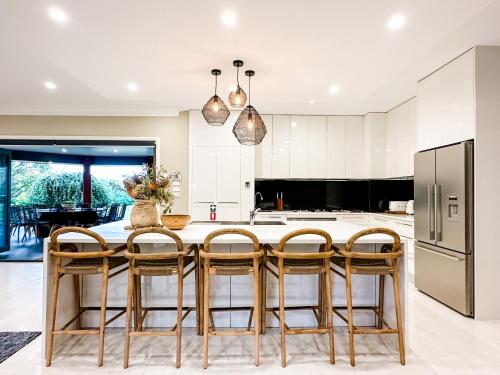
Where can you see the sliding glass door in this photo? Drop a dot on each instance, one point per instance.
(4, 200)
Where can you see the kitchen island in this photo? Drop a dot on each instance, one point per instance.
(229, 290)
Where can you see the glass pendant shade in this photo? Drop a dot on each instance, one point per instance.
(238, 98)
(215, 110)
(249, 129)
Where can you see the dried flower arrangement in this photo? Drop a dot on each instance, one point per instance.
(152, 184)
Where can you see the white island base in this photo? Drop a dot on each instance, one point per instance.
(233, 291)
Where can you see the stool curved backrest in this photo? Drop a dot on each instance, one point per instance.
(389, 252)
(206, 252)
(133, 250)
(55, 245)
(325, 249)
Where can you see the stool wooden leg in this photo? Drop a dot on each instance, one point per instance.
(130, 293)
(138, 307)
(52, 317)
(329, 312)
(197, 293)
(201, 288)
(381, 295)
(76, 287)
(320, 299)
(397, 302)
(264, 298)
(180, 285)
(102, 324)
(349, 314)
(281, 282)
(256, 309)
(206, 289)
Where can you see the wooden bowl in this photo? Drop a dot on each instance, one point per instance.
(175, 222)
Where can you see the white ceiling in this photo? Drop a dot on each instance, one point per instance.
(297, 48)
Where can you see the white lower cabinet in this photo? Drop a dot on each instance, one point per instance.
(358, 219)
(405, 229)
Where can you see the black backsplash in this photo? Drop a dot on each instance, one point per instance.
(365, 195)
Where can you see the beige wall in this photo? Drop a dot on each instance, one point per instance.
(172, 132)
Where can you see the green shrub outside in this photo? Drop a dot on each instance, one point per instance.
(51, 190)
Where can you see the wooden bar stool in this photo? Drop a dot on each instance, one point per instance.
(78, 265)
(231, 264)
(158, 264)
(303, 263)
(381, 264)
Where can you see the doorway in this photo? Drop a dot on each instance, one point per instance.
(49, 183)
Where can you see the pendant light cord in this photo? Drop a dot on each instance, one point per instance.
(238, 76)
(215, 85)
(249, 93)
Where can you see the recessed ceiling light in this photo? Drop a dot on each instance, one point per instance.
(49, 85)
(311, 101)
(396, 22)
(334, 89)
(57, 15)
(132, 86)
(115, 151)
(229, 18)
(64, 150)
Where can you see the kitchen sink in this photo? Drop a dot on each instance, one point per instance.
(239, 222)
(257, 222)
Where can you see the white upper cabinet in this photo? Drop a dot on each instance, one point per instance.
(228, 174)
(299, 147)
(412, 134)
(280, 167)
(391, 144)
(354, 147)
(204, 175)
(402, 140)
(264, 151)
(375, 129)
(446, 104)
(336, 147)
(317, 146)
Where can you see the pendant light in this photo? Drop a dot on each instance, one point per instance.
(215, 111)
(249, 129)
(237, 97)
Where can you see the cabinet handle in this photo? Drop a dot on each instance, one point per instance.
(228, 202)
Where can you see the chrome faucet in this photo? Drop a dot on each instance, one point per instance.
(258, 194)
(252, 215)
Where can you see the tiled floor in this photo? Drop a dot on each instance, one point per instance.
(27, 250)
(441, 342)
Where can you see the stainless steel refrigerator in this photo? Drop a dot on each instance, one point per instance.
(444, 225)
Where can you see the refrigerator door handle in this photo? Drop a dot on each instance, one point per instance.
(437, 212)
(451, 257)
(430, 213)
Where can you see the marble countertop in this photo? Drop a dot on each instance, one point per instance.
(196, 233)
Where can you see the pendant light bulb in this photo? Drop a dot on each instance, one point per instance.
(237, 97)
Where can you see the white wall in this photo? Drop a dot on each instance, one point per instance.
(487, 181)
